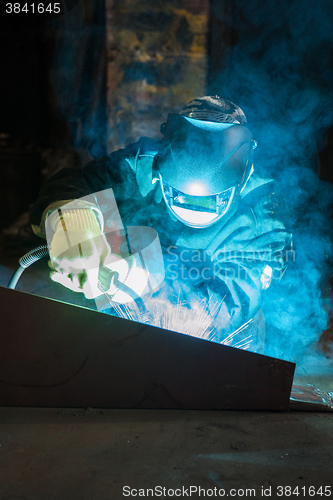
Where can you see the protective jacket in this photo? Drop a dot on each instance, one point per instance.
(227, 263)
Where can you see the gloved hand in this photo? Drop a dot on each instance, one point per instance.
(78, 248)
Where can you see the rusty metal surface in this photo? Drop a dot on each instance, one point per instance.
(54, 354)
(156, 62)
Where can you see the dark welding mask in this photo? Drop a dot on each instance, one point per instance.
(204, 162)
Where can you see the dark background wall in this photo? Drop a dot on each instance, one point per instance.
(106, 73)
(157, 61)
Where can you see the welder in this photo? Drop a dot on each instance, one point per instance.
(218, 217)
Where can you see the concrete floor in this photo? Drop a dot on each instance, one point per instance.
(67, 454)
(92, 454)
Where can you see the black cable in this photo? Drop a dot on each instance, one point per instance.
(106, 276)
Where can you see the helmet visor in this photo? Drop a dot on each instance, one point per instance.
(195, 210)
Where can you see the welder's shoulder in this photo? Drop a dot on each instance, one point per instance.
(121, 165)
(264, 197)
(144, 149)
(256, 185)
(260, 187)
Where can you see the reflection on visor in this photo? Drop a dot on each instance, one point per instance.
(197, 211)
(199, 203)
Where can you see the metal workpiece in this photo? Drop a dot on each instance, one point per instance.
(54, 354)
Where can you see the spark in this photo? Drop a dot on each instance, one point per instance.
(243, 340)
(192, 318)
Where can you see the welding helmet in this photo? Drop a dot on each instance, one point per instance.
(205, 160)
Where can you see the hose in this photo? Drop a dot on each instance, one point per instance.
(25, 261)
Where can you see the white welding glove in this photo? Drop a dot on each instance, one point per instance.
(78, 248)
(81, 259)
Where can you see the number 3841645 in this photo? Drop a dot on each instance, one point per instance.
(304, 491)
(33, 8)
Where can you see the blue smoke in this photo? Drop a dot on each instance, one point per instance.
(279, 71)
